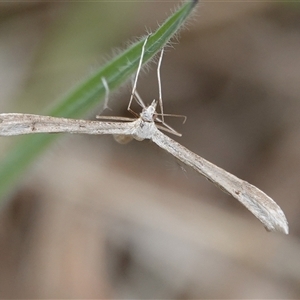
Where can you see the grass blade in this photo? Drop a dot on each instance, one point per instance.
(86, 96)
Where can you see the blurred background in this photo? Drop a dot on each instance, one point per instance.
(96, 219)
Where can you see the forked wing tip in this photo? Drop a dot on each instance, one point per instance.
(283, 229)
(279, 223)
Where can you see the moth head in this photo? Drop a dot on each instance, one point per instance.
(149, 113)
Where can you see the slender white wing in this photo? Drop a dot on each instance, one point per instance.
(261, 205)
(16, 124)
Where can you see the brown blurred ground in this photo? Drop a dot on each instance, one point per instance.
(95, 219)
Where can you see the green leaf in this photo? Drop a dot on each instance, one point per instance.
(86, 96)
